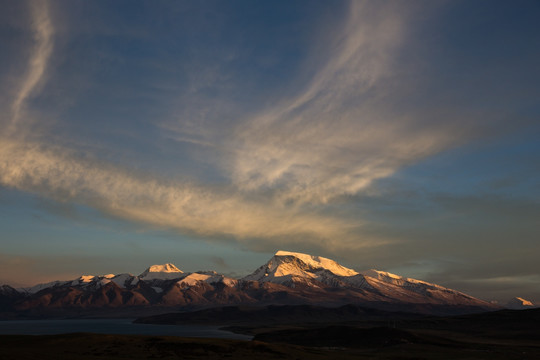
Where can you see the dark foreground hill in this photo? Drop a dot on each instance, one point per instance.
(97, 346)
(518, 324)
(442, 339)
(500, 335)
(506, 326)
(362, 332)
(253, 316)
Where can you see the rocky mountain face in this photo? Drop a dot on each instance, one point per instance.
(287, 278)
(8, 297)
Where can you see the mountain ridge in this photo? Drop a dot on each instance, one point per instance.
(287, 278)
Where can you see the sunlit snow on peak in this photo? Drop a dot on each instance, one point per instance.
(163, 272)
(319, 262)
(164, 268)
(519, 303)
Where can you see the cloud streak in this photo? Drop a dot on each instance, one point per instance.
(224, 211)
(188, 208)
(281, 168)
(333, 138)
(339, 134)
(43, 38)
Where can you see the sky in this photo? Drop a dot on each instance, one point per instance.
(400, 136)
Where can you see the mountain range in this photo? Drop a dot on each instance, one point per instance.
(288, 278)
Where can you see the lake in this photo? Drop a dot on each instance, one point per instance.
(112, 326)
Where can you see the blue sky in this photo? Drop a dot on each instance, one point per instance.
(401, 136)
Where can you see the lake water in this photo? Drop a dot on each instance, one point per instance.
(112, 326)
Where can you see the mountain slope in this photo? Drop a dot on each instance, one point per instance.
(296, 269)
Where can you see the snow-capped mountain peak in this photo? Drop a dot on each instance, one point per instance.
(161, 272)
(319, 262)
(85, 278)
(518, 303)
(209, 277)
(286, 266)
(293, 269)
(166, 268)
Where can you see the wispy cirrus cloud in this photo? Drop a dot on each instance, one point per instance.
(333, 138)
(311, 127)
(59, 174)
(37, 65)
(280, 166)
(340, 133)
